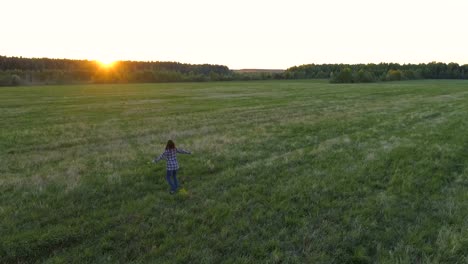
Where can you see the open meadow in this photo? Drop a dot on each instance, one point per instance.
(281, 171)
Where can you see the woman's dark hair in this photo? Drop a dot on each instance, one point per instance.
(170, 144)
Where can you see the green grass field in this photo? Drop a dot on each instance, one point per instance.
(281, 171)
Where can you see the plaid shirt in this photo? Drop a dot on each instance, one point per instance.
(171, 159)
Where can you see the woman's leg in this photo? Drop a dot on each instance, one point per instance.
(169, 180)
(176, 183)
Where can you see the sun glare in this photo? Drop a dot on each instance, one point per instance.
(106, 63)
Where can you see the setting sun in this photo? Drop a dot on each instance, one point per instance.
(106, 63)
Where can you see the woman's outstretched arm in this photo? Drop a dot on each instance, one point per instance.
(159, 158)
(183, 151)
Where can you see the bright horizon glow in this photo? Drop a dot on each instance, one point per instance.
(106, 63)
(239, 34)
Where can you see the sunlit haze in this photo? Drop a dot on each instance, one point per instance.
(239, 34)
(106, 63)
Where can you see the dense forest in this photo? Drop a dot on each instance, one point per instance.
(26, 71)
(347, 73)
(17, 70)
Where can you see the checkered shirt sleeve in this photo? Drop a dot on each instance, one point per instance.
(170, 156)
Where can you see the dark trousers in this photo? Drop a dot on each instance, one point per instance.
(172, 179)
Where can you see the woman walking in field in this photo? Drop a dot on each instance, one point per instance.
(172, 165)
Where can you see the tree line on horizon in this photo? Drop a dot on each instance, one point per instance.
(362, 73)
(24, 71)
(27, 71)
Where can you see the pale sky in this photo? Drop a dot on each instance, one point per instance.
(239, 34)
